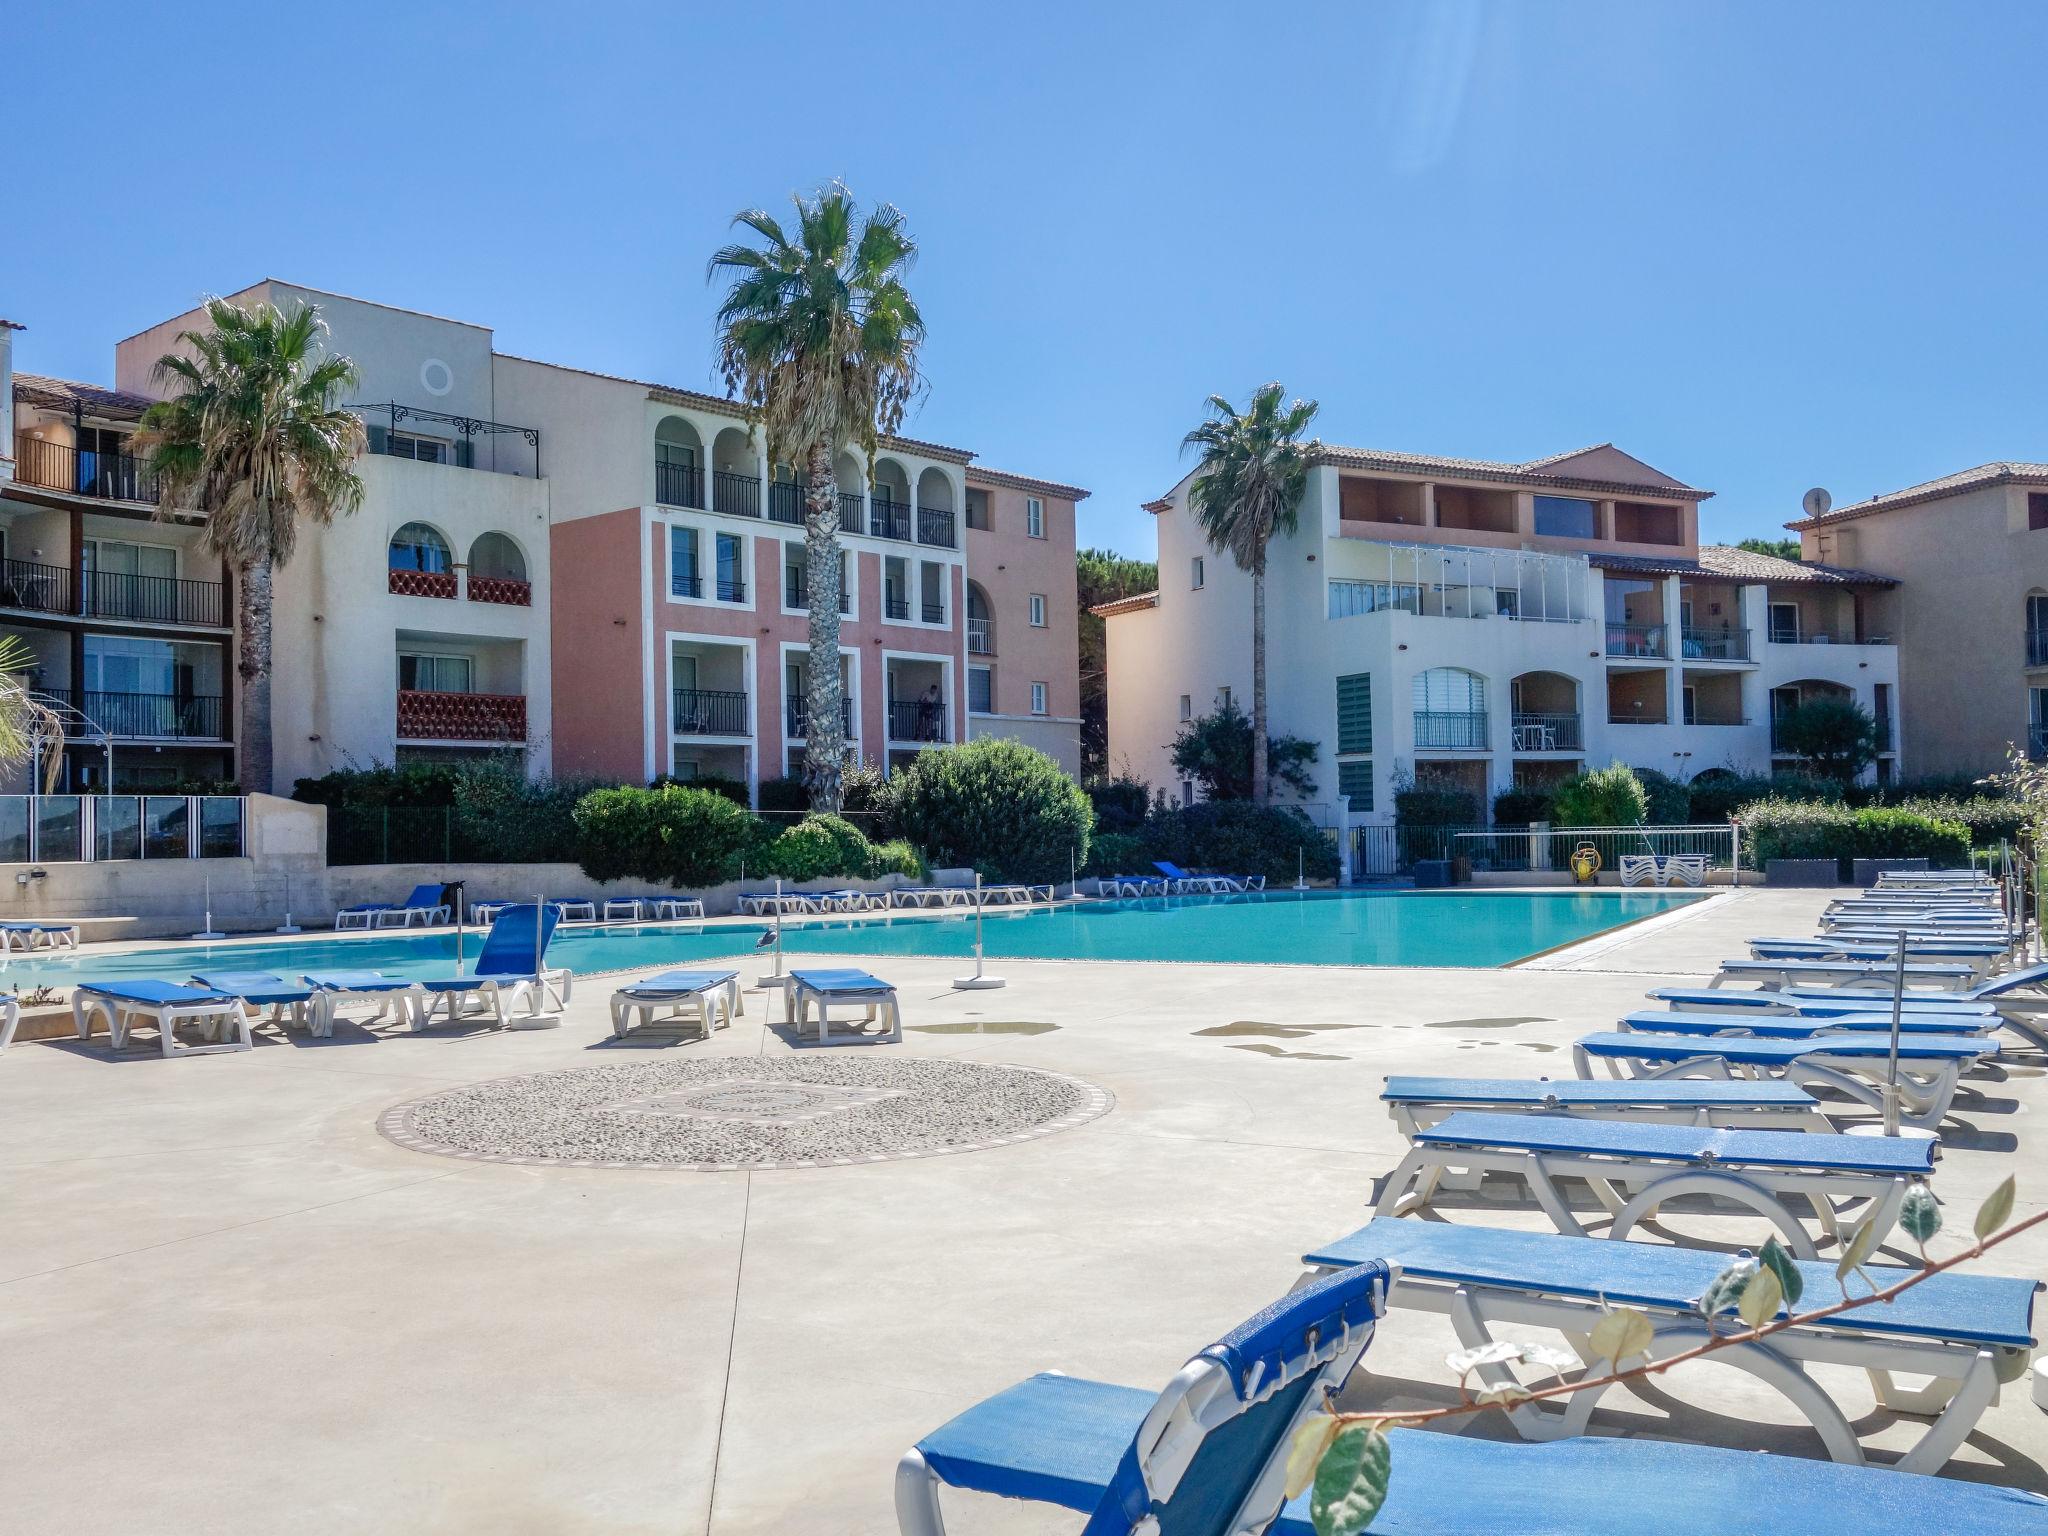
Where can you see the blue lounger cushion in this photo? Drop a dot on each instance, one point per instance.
(1979, 1308)
(1779, 1053)
(1060, 1438)
(1873, 950)
(1923, 970)
(677, 983)
(1683, 1143)
(150, 992)
(260, 987)
(1786, 1026)
(1836, 999)
(25, 925)
(509, 952)
(841, 980)
(357, 981)
(1677, 1092)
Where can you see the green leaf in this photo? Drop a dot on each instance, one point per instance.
(1997, 1206)
(1779, 1262)
(1919, 1215)
(1760, 1297)
(1621, 1334)
(1856, 1252)
(1351, 1482)
(1310, 1441)
(1726, 1288)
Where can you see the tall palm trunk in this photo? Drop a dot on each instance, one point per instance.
(824, 734)
(252, 666)
(1259, 786)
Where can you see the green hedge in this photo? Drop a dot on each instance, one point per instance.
(462, 813)
(684, 837)
(1785, 829)
(1234, 836)
(1524, 803)
(1004, 808)
(1604, 797)
(1435, 805)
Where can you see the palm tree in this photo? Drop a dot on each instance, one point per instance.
(29, 728)
(1248, 487)
(253, 439)
(818, 336)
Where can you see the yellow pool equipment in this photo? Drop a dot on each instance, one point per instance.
(1585, 863)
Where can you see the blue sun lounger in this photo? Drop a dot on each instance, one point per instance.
(164, 1005)
(707, 993)
(504, 977)
(395, 996)
(1979, 954)
(426, 903)
(262, 989)
(1656, 1163)
(1921, 975)
(1965, 1331)
(1416, 1103)
(1100, 1450)
(821, 988)
(1818, 1001)
(1851, 1064)
(1785, 1026)
(25, 933)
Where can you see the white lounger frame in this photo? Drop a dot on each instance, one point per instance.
(225, 1022)
(1925, 1094)
(39, 936)
(498, 998)
(710, 1008)
(798, 1001)
(1413, 1116)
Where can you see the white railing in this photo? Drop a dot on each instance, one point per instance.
(1461, 582)
(1542, 847)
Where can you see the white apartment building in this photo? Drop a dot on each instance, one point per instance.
(1485, 624)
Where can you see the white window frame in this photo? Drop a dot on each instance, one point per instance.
(1798, 631)
(418, 440)
(1187, 706)
(849, 597)
(1039, 702)
(1038, 610)
(1197, 574)
(1034, 517)
(707, 534)
(438, 657)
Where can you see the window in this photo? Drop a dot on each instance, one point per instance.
(1567, 517)
(1187, 791)
(1354, 778)
(732, 586)
(1692, 714)
(407, 445)
(1034, 517)
(1038, 698)
(1354, 713)
(1187, 706)
(981, 690)
(2037, 510)
(1784, 623)
(1197, 573)
(684, 579)
(1038, 610)
(416, 547)
(436, 674)
(1223, 697)
(977, 509)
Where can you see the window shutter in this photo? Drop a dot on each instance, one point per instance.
(1355, 779)
(1354, 713)
(465, 453)
(380, 439)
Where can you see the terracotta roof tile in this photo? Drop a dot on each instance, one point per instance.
(1131, 604)
(2003, 472)
(1025, 483)
(1724, 562)
(63, 394)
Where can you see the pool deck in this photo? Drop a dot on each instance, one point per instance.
(228, 1304)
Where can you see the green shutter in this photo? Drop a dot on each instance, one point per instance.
(1354, 713)
(1355, 779)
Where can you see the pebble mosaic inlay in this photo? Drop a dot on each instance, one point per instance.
(744, 1112)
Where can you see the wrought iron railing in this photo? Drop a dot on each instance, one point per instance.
(1635, 640)
(797, 715)
(685, 584)
(83, 472)
(736, 495)
(981, 637)
(678, 485)
(889, 519)
(896, 607)
(934, 613)
(796, 593)
(429, 715)
(710, 712)
(935, 526)
(1547, 732)
(916, 720)
(159, 599)
(731, 590)
(851, 515)
(786, 501)
(1451, 729)
(389, 421)
(150, 716)
(1715, 644)
(39, 588)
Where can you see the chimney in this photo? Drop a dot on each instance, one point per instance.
(7, 330)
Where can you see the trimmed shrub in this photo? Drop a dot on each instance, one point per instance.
(1522, 804)
(1120, 804)
(686, 837)
(1239, 838)
(1118, 853)
(1991, 820)
(895, 857)
(1882, 833)
(1435, 805)
(712, 783)
(817, 848)
(1785, 829)
(1719, 796)
(1000, 806)
(868, 800)
(487, 812)
(503, 817)
(1606, 797)
(1669, 802)
(784, 795)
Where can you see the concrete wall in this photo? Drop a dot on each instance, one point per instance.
(1009, 566)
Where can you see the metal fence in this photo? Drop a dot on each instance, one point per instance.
(91, 829)
(1383, 852)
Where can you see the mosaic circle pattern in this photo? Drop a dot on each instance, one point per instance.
(744, 1112)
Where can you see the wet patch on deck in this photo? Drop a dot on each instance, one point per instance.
(1508, 1023)
(1270, 1031)
(1274, 1050)
(984, 1027)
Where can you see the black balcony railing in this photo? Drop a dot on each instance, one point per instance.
(735, 494)
(731, 590)
(796, 593)
(1547, 732)
(934, 527)
(934, 613)
(678, 485)
(896, 607)
(39, 588)
(851, 516)
(156, 599)
(1451, 729)
(889, 519)
(981, 637)
(2037, 647)
(1635, 640)
(1716, 644)
(710, 712)
(916, 720)
(685, 584)
(798, 713)
(84, 472)
(154, 716)
(786, 501)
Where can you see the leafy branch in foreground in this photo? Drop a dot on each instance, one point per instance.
(1344, 1461)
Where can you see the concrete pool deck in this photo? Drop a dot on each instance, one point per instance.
(229, 1304)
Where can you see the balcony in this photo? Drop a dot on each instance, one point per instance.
(796, 714)
(1547, 733)
(61, 467)
(933, 613)
(981, 637)
(1716, 644)
(1636, 719)
(889, 519)
(447, 439)
(851, 512)
(406, 582)
(1636, 640)
(896, 608)
(1450, 730)
(146, 716)
(914, 720)
(501, 589)
(2037, 647)
(1781, 634)
(786, 501)
(735, 495)
(796, 593)
(711, 712)
(425, 715)
(38, 588)
(111, 595)
(678, 485)
(935, 527)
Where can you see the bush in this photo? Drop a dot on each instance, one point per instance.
(734, 790)
(817, 848)
(1933, 786)
(490, 812)
(1788, 829)
(503, 817)
(1120, 804)
(1435, 805)
(868, 800)
(1004, 808)
(896, 857)
(1240, 838)
(1606, 797)
(1216, 752)
(1836, 735)
(1883, 833)
(1717, 796)
(1667, 802)
(1991, 819)
(1522, 804)
(1118, 853)
(685, 837)
(784, 795)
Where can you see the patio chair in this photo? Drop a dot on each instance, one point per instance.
(1780, 1026)
(1656, 1163)
(504, 976)
(822, 988)
(263, 989)
(397, 997)
(1639, 869)
(713, 997)
(1416, 1103)
(623, 908)
(1180, 880)
(1851, 1064)
(1964, 1332)
(1205, 1457)
(1923, 975)
(1824, 1000)
(1137, 885)
(22, 933)
(165, 1005)
(676, 908)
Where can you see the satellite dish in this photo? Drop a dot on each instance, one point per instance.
(1816, 502)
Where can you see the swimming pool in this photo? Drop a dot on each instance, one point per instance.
(1342, 928)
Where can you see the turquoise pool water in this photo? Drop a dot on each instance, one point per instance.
(1279, 927)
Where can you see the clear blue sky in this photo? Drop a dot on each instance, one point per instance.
(1762, 246)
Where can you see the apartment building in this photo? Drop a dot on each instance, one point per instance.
(603, 575)
(1484, 624)
(1970, 553)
